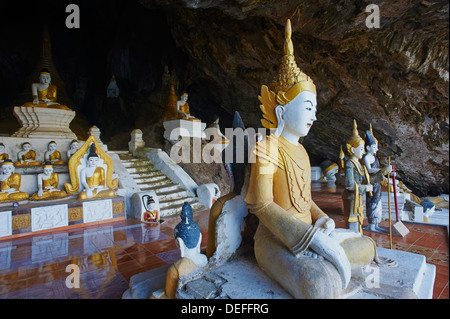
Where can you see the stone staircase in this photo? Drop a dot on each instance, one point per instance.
(171, 196)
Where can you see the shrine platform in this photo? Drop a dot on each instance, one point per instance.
(111, 253)
(35, 217)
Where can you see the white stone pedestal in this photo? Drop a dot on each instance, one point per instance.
(41, 122)
(175, 128)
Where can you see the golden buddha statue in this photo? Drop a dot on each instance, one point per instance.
(44, 93)
(93, 179)
(48, 182)
(10, 183)
(183, 109)
(52, 155)
(27, 156)
(3, 154)
(296, 243)
(171, 107)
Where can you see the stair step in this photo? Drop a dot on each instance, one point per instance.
(176, 209)
(142, 163)
(149, 179)
(162, 189)
(140, 169)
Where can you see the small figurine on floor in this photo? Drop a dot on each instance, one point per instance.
(188, 239)
(48, 185)
(10, 183)
(52, 155)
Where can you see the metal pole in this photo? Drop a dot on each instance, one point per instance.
(389, 206)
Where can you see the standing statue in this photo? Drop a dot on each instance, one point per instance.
(52, 155)
(113, 90)
(44, 93)
(27, 156)
(10, 183)
(296, 243)
(3, 154)
(357, 182)
(48, 185)
(374, 209)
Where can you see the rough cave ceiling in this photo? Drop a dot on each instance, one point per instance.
(222, 51)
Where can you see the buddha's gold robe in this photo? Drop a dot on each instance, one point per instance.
(55, 158)
(3, 157)
(97, 179)
(185, 108)
(12, 181)
(52, 181)
(28, 156)
(49, 93)
(279, 194)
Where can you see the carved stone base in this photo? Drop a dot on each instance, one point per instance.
(41, 122)
(32, 216)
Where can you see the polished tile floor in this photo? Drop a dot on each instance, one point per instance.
(107, 255)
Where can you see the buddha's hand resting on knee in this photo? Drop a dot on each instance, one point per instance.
(328, 248)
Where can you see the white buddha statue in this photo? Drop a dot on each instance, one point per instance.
(73, 148)
(93, 178)
(44, 94)
(183, 108)
(113, 90)
(27, 156)
(3, 154)
(10, 182)
(48, 182)
(53, 155)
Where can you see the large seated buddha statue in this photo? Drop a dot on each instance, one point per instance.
(44, 93)
(10, 183)
(27, 156)
(48, 182)
(296, 243)
(90, 170)
(53, 155)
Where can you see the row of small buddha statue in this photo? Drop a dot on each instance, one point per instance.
(92, 178)
(27, 156)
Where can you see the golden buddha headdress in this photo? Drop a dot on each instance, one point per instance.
(289, 82)
(355, 140)
(44, 71)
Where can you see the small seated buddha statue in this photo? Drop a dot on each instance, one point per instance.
(52, 155)
(183, 108)
(48, 185)
(3, 154)
(10, 183)
(188, 239)
(27, 156)
(73, 147)
(358, 182)
(44, 93)
(296, 243)
(93, 178)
